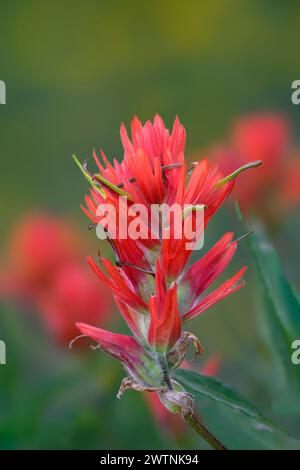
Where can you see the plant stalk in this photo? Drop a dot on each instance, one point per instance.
(192, 421)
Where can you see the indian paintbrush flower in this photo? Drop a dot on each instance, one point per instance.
(155, 293)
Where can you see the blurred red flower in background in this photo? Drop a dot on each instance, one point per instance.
(290, 184)
(267, 137)
(38, 247)
(46, 270)
(74, 293)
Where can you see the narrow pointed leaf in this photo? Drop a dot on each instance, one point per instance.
(233, 175)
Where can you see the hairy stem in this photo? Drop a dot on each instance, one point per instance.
(192, 421)
(165, 371)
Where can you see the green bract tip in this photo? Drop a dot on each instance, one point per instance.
(233, 175)
(89, 178)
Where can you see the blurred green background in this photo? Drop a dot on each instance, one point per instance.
(74, 70)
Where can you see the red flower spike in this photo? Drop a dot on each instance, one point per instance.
(153, 290)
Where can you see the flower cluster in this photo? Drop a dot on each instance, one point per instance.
(155, 291)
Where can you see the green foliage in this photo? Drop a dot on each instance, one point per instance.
(54, 398)
(281, 308)
(244, 417)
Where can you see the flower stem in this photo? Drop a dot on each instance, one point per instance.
(165, 371)
(192, 421)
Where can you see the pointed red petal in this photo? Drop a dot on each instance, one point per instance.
(165, 329)
(125, 348)
(120, 285)
(139, 363)
(204, 272)
(227, 288)
(131, 316)
(125, 140)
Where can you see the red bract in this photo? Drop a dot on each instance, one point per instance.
(139, 362)
(204, 272)
(165, 325)
(119, 283)
(154, 291)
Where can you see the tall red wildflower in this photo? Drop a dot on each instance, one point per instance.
(155, 292)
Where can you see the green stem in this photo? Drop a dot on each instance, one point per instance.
(165, 371)
(192, 421)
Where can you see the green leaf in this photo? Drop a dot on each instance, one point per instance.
(214, 389)
(237, 420)
(281, 305)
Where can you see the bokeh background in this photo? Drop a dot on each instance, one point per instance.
(74, 71)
